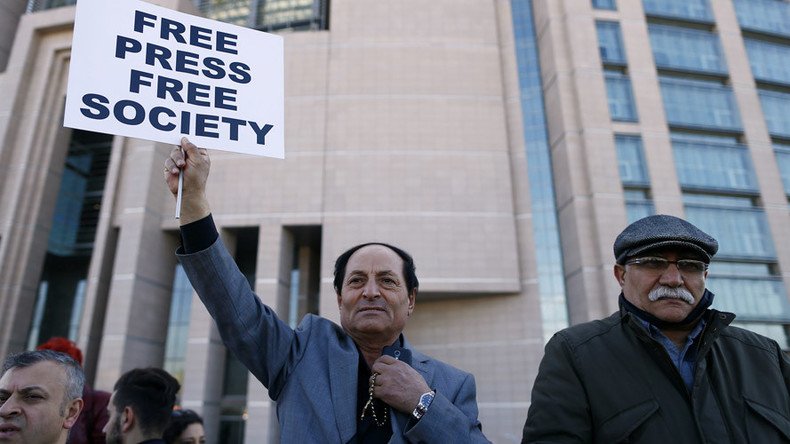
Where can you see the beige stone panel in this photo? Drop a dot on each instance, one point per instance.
(560, 103)
(306, 61)
(580, 38)
(246, 185)
(410, 182)
(580, 255)
(553, 53)
(305, 124)
(568, 162)
(29, 174)
(434, 22)
(455, 254)
(414, 70)
(600, 158)
(729, 32)
(440, 123)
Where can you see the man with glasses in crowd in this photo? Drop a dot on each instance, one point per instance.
(666, 367)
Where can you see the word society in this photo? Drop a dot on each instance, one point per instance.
(169, 89)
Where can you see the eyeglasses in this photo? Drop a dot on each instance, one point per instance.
(659, 264)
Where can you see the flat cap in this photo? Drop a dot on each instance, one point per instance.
(662, 231)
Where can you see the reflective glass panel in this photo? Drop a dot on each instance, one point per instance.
(687, 9)
(741, 232)
(638, 205)
(695, 103)
(610, 42)
(620, 97)
(771, 16)
(755, 299)
(783, 160)
(675, 47)
(631, 161)
(715, 166)
(545, 231)
(776, 109)
(604, 4)
(770, 61)
(178, 325)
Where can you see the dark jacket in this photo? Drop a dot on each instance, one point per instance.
(92, 419)
(608, 381)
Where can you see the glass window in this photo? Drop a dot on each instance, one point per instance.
(776, 109)
(771, 16)
(604, 4)
(610, 42)
(270, 15)
(696, 103)
(638, 204)
(770, 61)
(631, 161)
(683, 48)
(697, 10)
(752, 291)
(545, 231)
(783, 159)
(40, 5)
(778, 332)
(230, 11)
(621, 100)
(752, 299)
(741, 232)
(291, 14)
(714, 166)
(178, 325)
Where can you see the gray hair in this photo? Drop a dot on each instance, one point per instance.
(75, 377)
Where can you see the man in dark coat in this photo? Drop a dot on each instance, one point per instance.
(666, 368)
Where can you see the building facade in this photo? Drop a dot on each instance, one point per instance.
(503, 143)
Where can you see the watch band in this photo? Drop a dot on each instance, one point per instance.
(422, 406)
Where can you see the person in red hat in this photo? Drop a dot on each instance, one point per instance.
(88, 429)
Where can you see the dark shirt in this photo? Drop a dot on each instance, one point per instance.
(367, 430)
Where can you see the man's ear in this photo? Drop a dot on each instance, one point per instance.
(619, 274)
(73, 412)
(412, 300)
(127, 419)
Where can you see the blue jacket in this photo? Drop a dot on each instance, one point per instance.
(311, 372)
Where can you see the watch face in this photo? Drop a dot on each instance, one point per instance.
(426, 399)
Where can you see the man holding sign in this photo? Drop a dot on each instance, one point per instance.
(360, 382)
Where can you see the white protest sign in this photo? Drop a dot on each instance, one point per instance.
(143, 71)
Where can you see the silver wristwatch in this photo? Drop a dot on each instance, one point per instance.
(422, 406)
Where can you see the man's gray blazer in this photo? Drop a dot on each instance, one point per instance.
(311, 372)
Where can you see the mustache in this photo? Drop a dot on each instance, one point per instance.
(664, 292)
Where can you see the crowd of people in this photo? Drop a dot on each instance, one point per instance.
(44, 399)
(666, 367)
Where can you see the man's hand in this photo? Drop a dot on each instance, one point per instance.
(398, 384)
(195, 164)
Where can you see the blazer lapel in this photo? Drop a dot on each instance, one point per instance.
(343, 365)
